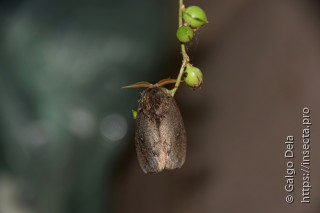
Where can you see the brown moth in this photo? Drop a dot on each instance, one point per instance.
(160, 136)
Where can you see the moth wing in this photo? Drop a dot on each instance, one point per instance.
(150, 150)
(173, 135)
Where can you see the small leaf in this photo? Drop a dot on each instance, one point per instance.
(134, 114)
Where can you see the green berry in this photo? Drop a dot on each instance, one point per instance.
(184, 34)
(134, 114)
(193, 76)
(195, 16)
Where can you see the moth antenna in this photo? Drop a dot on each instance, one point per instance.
(138, 85)
(166, 81)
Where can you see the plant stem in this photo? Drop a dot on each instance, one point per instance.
(185, 57)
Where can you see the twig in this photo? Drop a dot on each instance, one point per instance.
(185, 57)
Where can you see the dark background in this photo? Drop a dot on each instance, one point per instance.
(65, 123)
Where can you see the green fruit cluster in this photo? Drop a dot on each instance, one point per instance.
(194, 17)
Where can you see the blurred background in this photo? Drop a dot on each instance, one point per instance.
(67, 134)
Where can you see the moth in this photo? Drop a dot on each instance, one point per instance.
(160, 135)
